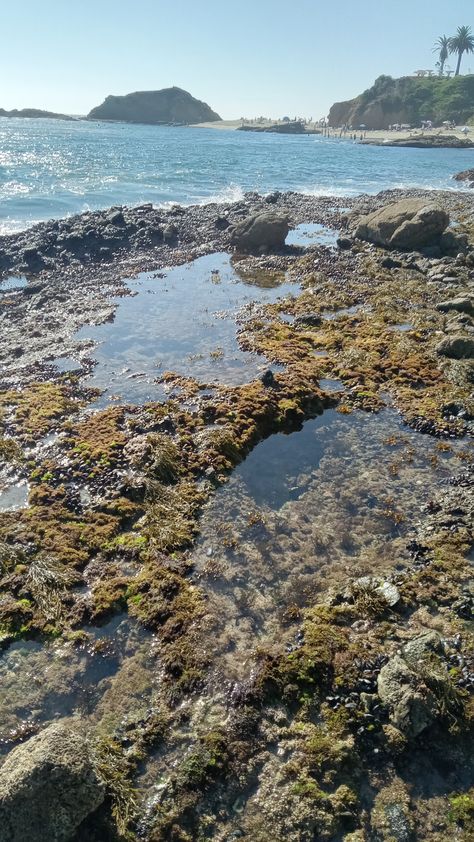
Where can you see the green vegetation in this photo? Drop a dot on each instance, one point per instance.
(408, 100)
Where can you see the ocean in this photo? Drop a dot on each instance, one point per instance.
(52, 169)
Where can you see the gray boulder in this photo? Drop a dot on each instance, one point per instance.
(406, 225)
(457, 347)
(461, 305)
(261, 233)
(413, 707)
(48, 786)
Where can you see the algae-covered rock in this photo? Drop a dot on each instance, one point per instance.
(391, 815)
(48, 786)
(261, 232)
(457, 347)
(408, 224)
(412, 705)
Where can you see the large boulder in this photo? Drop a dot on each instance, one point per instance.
(406, 225)
(48, 786)
(457, 347)
(412, 705)
(467, 176)
(462, 304)
(261, 233)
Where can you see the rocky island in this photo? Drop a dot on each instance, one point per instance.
(166, 106)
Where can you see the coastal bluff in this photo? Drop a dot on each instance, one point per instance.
(408, 100)
(169, 105)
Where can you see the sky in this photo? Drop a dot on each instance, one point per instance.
(243, 57)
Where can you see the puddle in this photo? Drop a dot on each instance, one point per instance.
(332, 385)
(312, 234)
(40, 682)
(329, 315)
(14, 497)
(402, 328)
(182, 321)
(304, 512)
(13, 283)
(64, 364)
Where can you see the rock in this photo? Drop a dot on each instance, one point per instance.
(408, 224)
(412, 705)
(465, 175)
(48, 786)
(451, 243)
(422, 647)
(115, 217)
(261, 232)
(390, 263)
(344, 243)
(457, 347)
(272, 198)
(268, 378)
(312, 319)
(461, 305)
(169, 105)
(170, 233)
(221, 223)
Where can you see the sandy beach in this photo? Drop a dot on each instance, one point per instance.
(370, 134)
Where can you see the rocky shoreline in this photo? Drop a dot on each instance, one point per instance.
(354, 721)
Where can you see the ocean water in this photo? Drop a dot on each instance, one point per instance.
(51, 169)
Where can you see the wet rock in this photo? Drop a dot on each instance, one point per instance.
(461, 305)
(390, 263)
(391, 816)
(408, 224)
(344, 243)
(48, 786)
(422, 647)
(312, 319)
(465, 175)
(170, 233)
(261, 232)
(268, 378)
(451, 243)
(457, 347)
(411, 704)
(221, 223)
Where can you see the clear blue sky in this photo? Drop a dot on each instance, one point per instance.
(243, 57)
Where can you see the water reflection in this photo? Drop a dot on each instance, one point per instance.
(184, 321)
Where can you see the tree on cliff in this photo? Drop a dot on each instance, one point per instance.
(462, 42)
(442, 48)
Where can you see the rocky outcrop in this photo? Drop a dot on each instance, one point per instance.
(407, 100)
(406, 225)
(261, 233)
(167, 106)
(293, 127)
(425, 141)
(460, 305)
(466, 176)
(35, 112)
(458, 347)
(48, 786)
(403, 685)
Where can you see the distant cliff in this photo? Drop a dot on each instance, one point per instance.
(35, 112)
(170, 105)
(408, 100)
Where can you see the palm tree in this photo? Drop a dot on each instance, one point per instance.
(462, 42)
(442, 48)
